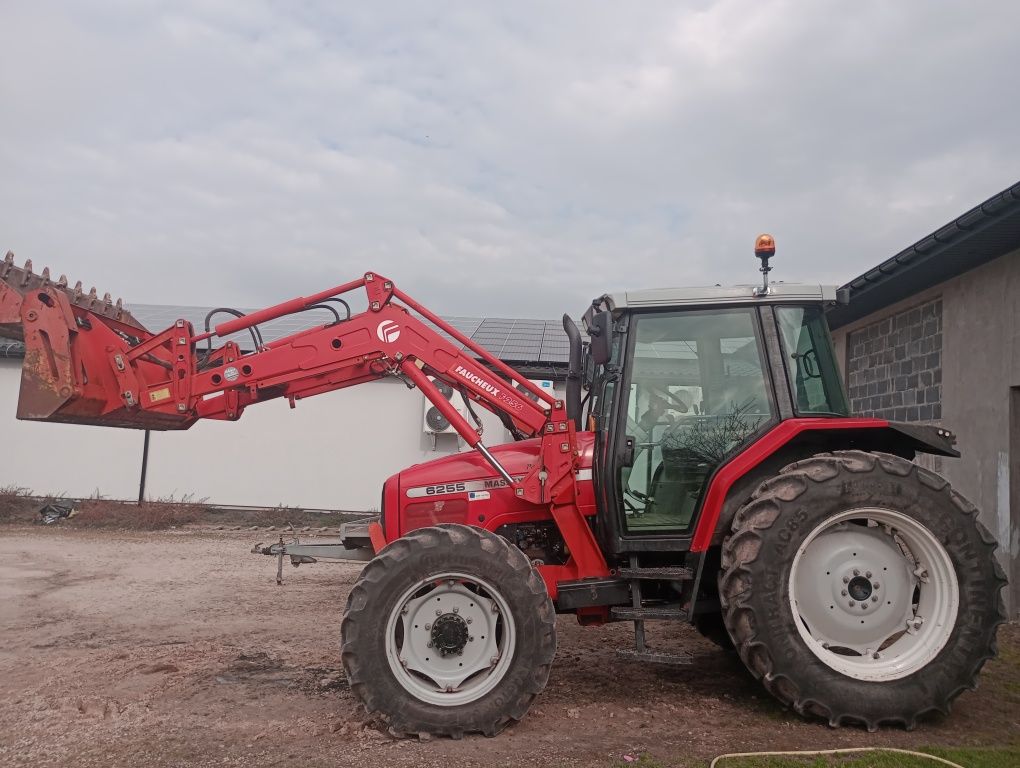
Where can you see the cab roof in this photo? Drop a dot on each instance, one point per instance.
(779, 293)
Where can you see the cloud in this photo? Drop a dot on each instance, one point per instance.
(511, 160)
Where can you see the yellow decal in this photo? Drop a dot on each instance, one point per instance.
(159, 395)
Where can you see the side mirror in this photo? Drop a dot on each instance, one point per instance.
(601, 332)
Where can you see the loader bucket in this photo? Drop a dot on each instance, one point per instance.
(75, 347)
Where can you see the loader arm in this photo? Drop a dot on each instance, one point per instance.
(88, 361)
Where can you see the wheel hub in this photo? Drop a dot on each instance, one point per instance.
(854, 588)
(449, 634)
(450, 639)
(859, 587)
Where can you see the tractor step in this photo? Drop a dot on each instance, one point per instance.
(671, 573)
(654, 657)
(649, 613)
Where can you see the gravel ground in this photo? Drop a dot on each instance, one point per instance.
(177, 648)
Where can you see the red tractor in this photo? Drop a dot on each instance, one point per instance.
(712, 473)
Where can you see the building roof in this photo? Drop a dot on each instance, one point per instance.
(983, 233)
(717, 294)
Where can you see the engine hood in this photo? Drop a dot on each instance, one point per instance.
(517, 458)
(463, 488)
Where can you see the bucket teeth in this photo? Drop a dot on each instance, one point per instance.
(24, 279)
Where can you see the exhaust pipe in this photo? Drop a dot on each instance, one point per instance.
(573, 399)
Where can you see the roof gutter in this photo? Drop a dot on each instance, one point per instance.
(876, 287)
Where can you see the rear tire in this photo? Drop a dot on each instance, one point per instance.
(449, 630)
(825, 634)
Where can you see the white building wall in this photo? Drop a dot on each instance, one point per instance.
(333, 451)
(63, 458)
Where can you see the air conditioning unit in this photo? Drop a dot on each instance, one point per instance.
(433, 421)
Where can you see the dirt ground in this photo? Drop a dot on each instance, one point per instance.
(176, 648)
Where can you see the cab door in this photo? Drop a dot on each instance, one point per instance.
(694, 389)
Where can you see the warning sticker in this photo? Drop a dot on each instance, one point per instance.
(478, 495)
(159, 395)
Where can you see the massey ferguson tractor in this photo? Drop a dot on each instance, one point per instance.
(702, 467)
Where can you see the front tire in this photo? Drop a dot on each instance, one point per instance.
(861, 588)
(449, 630)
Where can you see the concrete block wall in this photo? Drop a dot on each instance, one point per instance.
(894, 365)
(977, 386)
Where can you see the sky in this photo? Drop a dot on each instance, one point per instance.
(497, 159)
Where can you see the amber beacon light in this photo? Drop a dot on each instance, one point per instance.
(764, 249)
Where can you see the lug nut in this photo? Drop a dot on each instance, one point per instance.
(846, 579)
(428, 627)
(867, 574)
(456, 609)
(851, 603)
(874, 598)
(876, 585)
(864, 606)
(428, 644)
(439, 612)
(468, 621)
(843, 592)
(856, 572)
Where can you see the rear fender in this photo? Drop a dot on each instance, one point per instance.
(796, 439)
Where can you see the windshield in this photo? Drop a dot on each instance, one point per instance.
(810, 363)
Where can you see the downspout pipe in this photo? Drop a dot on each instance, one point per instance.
(573, 399)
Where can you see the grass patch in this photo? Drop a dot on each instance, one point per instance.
(17, 504)
(971, 757)
(148, 516)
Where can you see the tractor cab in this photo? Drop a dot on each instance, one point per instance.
(680, 380)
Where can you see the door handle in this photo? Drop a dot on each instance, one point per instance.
(625, 458)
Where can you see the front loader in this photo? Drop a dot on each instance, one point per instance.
(712, 474)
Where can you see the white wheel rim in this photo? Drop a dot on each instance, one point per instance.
(875, 594)
(450, 639)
